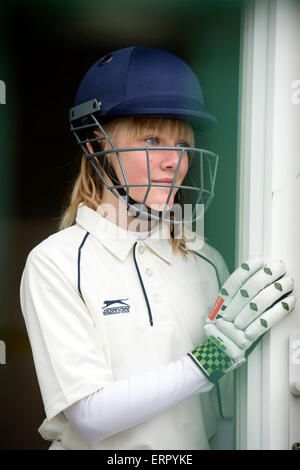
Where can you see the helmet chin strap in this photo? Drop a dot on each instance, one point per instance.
(134, 208)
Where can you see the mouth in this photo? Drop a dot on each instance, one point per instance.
(164, 181)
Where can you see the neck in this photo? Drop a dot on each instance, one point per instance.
(116, 212)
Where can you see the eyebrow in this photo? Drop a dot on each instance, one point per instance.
(159, 130)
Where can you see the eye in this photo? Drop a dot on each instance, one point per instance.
(152, 140)
(183, 144)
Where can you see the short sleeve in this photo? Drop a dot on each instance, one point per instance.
(69, 360)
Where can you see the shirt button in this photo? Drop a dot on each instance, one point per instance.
(141, 249)
(149, 272)
(157, 298)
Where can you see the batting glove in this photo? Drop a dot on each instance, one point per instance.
(252, 300)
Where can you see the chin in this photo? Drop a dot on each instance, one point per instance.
(155, 200)
(160, 204)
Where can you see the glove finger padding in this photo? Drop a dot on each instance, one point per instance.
(269, 318)
(236, 340)
(233, 285)
(261, 279)
(263, 300)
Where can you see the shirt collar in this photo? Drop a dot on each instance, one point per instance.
(116, 240)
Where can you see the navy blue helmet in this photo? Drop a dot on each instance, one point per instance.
(143, 81)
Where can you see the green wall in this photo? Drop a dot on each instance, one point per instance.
(45, 48)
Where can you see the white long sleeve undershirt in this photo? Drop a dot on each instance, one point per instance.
(128, 402)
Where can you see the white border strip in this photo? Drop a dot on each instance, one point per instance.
(251, 226)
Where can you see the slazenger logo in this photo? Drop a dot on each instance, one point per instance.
(119, 306)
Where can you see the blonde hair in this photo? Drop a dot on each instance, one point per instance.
(88, 187)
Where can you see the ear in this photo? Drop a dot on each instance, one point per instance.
(98, 145)
(89, 147)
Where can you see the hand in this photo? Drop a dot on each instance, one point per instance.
(252, 300)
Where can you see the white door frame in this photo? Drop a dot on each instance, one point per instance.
(269, 208)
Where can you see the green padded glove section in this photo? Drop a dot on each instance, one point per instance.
(211, 359)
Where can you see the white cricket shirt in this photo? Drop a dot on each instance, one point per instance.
(101, 306)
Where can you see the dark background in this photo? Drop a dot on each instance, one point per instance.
(45, 49)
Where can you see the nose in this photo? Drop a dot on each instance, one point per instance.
(170, 158)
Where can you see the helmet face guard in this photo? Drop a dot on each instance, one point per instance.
(193, 196)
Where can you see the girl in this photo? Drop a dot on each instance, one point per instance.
(115, 302)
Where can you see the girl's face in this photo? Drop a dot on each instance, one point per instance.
(163, 164)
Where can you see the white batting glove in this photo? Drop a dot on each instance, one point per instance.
(252, 300)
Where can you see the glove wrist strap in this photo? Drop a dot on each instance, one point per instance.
(212, 361)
